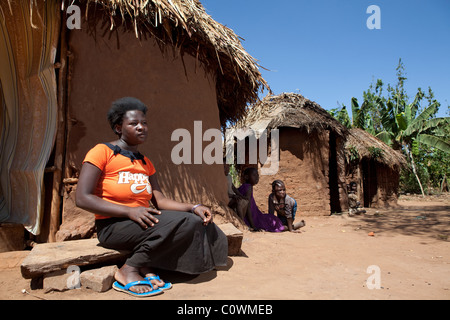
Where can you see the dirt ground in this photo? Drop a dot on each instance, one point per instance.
(329, 260)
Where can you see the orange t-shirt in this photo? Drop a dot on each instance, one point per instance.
(122, 181)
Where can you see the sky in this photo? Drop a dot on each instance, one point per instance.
(324, 50)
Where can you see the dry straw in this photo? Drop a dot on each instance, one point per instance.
(290, 110)
(370, 147)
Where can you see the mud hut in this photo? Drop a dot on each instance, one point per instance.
(311, 153)
(375, 167)
(58, 81)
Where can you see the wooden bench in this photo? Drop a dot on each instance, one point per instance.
(50, 257)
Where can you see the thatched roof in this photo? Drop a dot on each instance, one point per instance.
(290, 110)
(367, 146)
(186, 25)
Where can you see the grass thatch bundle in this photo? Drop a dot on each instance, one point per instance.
(361, 144)
(290, 110)
(185, 25)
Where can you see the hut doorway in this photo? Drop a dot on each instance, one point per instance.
(335, 204)
(370, 182)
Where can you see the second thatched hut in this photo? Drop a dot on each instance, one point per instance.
(375, 167)
(311, 153)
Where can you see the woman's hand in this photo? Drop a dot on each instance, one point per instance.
(205, 214)
(144, 216)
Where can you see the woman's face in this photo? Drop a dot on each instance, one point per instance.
(133, 129)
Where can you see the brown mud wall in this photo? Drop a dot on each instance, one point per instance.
(377, 183)
(178, 90)
(387, 193)
(304, 168)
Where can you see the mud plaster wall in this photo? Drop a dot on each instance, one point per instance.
(304, 168)
(387, 181)
(387, 193)
(177, 89)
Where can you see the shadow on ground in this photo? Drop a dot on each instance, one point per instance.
(431, 221)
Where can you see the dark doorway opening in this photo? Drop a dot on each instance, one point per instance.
(370, 183)
(335, 204)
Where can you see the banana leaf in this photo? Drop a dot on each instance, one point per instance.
(401, 121)
(435, 142)
(419, 123)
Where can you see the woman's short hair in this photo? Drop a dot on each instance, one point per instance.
(120, 107)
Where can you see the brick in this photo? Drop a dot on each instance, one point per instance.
(99, 280)
(60, 280)
(234, 237)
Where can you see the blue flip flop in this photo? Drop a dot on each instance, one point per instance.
(126, 289)
(166, 286)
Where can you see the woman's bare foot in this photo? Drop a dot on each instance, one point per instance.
(147, 273)
(128, 274)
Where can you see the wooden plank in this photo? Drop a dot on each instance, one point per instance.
(55, 211)
(49, 257)
(55, 256)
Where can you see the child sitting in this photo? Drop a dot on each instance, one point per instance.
(284, 205)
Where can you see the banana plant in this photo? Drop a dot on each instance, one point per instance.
(402, 129)
(360, 116)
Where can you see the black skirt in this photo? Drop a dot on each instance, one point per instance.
(178, 242)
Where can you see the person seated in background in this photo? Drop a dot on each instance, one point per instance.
(285, 206)
(354, 206)
(254, 218)
(237, 201)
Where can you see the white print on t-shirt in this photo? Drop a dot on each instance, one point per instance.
(140, 180)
